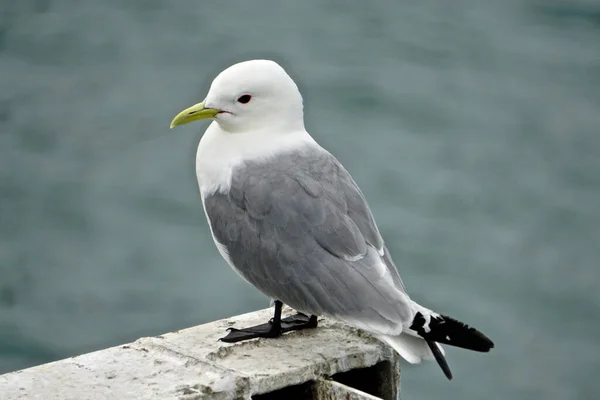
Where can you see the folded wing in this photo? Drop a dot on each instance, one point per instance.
(297, 227)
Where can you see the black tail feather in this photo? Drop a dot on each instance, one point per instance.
(439, 357)
(449, 331)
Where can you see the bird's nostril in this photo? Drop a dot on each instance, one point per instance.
(192, 112)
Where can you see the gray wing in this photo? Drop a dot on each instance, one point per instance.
(298, 228)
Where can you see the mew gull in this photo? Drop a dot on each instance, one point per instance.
(291, 221)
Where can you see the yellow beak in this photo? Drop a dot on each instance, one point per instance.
(195, 112)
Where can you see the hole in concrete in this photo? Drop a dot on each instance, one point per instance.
(378, 380)
(297, 392)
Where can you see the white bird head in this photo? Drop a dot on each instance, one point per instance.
(249, 96)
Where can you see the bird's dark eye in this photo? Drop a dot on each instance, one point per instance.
(244, 98)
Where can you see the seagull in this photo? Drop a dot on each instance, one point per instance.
(290, 220)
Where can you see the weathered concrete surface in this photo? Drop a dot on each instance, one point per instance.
(332, 390)
(192, 364)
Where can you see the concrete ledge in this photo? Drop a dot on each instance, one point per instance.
(192, 364)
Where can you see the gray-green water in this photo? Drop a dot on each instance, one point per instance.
(472, 126)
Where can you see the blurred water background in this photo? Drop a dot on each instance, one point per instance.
(472, 126)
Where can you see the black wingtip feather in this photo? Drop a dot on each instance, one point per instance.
(449, 331)
(439, 357)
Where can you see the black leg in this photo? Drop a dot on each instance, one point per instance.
(272, 329)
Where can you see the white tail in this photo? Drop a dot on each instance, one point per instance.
(413, 349)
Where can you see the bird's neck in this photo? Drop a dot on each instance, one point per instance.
(284, 119)
(220, 151)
